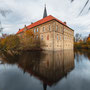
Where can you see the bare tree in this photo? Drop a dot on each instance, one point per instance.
(85, 39)
(78, 37)
(4, 13)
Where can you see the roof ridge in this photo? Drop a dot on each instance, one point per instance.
(41, 21)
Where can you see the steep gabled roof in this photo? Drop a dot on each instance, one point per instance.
(44, 20)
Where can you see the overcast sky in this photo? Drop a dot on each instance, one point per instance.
(23, 12)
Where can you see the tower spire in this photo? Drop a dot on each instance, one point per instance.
(45, 12)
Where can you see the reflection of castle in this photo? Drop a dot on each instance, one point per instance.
(49, 67)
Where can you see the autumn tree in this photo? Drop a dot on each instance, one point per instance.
(2, 44)
(12, 42)
(88, 41)
(27, 40)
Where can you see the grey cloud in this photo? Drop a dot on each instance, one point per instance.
(4, 12)
(27, 11)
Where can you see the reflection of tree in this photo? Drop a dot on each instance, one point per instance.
(49, 67)
(44, 86)
(10, 57)
(86, 54)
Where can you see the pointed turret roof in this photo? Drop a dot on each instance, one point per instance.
(45, 12)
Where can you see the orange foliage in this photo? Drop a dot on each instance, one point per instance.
(3, 41)
(28, 33)
(88, 40)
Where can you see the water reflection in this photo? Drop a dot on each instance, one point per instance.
(48, 67)
(85, 53)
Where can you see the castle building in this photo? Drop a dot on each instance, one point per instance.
(54, 33)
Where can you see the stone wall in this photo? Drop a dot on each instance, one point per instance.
(54, 35)
(63, 37)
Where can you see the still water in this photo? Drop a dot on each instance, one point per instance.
(63, 70)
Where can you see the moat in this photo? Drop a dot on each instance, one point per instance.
(46, 70)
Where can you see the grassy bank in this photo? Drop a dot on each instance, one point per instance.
(81, 45)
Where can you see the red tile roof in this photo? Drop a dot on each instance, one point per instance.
(46, 19)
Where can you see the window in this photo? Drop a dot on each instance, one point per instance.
(47, 37)
(37, 29)
(64, 37)
(54, 24)
(60, 37)
(42, 37)
(49, 27)
(43, 29)
(34, 31)
(34, 38)
(37, 36)
(57, 37)
(56, 27)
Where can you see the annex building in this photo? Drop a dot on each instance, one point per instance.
(55, 33)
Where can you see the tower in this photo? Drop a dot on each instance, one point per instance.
(45, 12)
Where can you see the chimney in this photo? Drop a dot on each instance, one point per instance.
(65, 23)
(31, 22)
(25, 26)
(19, 29)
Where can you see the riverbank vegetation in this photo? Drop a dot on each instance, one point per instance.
(26, 41)
(82, 43)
